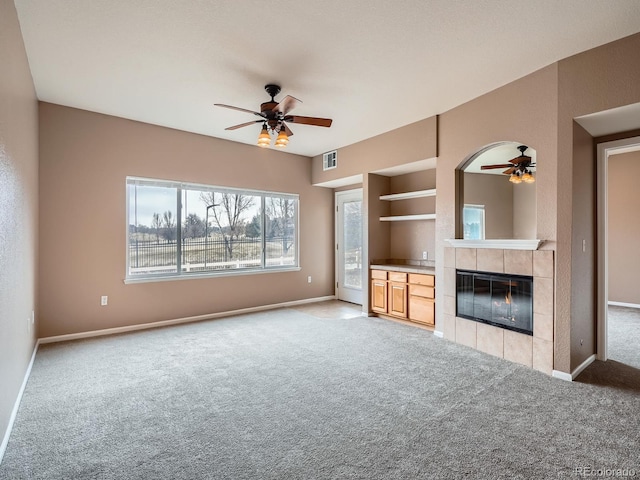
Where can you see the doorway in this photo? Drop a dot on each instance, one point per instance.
(604, 330)
(349, 246)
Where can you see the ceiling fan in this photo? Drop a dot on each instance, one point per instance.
(518, 168)
(273, 116)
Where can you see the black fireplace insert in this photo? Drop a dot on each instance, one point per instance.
(497, 299)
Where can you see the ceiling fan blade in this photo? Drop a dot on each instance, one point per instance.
(520, 159)
(239, 109)
(287, 130)
(287, 104)
(491, 167)
(510, 170)
(320, 122)
(246, 124)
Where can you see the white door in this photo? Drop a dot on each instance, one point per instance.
(349, 246)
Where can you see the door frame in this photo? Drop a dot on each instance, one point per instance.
(336, 242)
(603, 151)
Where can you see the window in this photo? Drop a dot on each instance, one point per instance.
(473, 222)
(181, 229)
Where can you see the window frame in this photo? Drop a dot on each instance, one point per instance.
(181, 187)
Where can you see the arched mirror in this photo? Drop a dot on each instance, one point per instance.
(498, 193)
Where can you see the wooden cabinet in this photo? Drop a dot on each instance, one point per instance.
(379, 291)
(422, 298)
(401, 295)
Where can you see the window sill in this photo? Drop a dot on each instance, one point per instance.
(193, 276)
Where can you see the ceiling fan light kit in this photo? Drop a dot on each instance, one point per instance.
(273, 117)
(264, 139)
(282, 139)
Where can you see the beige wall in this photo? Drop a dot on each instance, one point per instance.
(624, 228)
(539, 110)
(593, 81)
(19, 211)
(524, 211)
(407, 240)
(495, 192)
(85, 158)
(523, 111)
(584, 276)
(411, 143)
(376, 244)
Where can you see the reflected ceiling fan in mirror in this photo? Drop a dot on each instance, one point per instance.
(519, 169)
(273, 116)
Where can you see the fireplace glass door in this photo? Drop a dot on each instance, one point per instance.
(502, 300)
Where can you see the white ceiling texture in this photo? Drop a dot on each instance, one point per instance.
(370, 65)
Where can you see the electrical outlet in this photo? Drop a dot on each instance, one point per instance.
(425, 255)
(584, 246)
(309, 279)
(104, 300)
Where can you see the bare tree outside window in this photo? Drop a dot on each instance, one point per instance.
(280, 213)
(169, 226)
(228, 215)
(193, 227)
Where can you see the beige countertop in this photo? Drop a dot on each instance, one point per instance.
(405, 268)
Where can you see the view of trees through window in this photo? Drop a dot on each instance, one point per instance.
(182, 228)
(473, 222)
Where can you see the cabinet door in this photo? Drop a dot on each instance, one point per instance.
(398, 299)
(379, 296)
(422, 310)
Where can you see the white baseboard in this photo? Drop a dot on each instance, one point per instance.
(16, 405)
(178, 321)
(438, 333)
(622, 304)
(562, 375)
(570, 377)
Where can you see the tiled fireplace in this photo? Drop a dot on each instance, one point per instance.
(518, 338)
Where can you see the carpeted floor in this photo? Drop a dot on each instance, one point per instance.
(288, 394)
(624, 335)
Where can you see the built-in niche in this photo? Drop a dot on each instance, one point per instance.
(490, 205)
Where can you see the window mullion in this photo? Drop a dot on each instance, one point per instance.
(179, 231)
(263, 233)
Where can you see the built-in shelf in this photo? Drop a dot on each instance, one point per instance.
(406, 195)
(402, 218)
(504, 244)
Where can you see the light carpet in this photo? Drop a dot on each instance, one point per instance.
(287, 395)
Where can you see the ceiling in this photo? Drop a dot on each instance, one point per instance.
(370, 65)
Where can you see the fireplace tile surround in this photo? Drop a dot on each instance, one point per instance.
(535, 352)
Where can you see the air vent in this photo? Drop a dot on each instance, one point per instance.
(330, 160)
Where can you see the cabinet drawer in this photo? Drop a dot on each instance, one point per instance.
(422, 279)
(422, 310)
(379, 274)
(422, 291)
(397, 277)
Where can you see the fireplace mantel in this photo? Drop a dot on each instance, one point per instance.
(504, 244)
